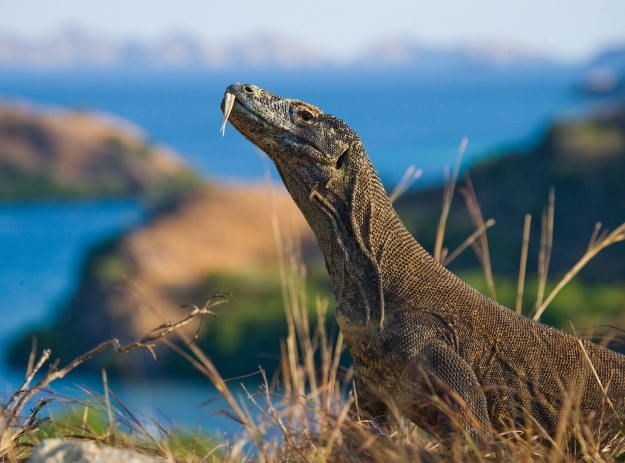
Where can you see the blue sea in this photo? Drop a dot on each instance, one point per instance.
(404, 117)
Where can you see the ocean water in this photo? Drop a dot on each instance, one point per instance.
(403, 118)
(42, 250)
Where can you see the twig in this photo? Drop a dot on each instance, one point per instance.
(33, 371)
(167, 328)
(223, 294)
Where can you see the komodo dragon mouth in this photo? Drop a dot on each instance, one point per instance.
(232, 104)
(227, 104)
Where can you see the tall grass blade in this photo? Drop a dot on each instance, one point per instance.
(481, 246)
(410, 176)
(523, 264)
(546, 240)
(448, 193)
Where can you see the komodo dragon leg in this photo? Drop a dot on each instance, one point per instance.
(442, 393)
(436, 390)
(367, 401)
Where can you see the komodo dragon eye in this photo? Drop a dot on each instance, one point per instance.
(306, 116)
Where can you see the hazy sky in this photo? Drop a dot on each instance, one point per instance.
(569, 29)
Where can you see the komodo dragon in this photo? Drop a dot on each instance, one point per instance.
(414, 329)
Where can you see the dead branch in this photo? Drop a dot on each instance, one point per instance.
(53, 373)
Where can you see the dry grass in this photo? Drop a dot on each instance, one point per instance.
(19, 431)
(523, 264)
(305, 412)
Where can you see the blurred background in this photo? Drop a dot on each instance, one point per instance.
(120, 200)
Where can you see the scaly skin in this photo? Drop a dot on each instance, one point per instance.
(417, 332)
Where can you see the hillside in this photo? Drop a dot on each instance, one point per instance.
(50, 154)
(220, 239)
(584, 160)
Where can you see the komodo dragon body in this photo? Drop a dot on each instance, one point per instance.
(414, 329)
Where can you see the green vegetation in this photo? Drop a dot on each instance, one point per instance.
(113, 425)
(245, 335)
(90, 420)
(249, 327)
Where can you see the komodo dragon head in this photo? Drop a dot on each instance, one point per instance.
(311, 150)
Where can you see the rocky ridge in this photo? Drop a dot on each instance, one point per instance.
(48, 154)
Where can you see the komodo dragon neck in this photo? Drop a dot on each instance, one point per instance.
(375, 264)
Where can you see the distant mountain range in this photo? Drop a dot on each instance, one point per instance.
(78, 49)
(605, 75)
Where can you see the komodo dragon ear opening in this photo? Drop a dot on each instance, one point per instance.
(341, 159)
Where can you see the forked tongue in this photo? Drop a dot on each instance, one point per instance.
(228, 104)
